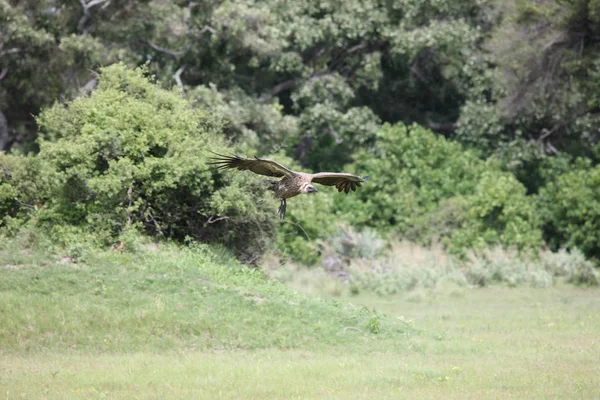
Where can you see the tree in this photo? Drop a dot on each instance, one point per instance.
(26, 66)
(132, 155)
(538, 96)
(312, 77)
(429, 188)
(570, 208)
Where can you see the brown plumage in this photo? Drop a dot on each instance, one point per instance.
(292, 183)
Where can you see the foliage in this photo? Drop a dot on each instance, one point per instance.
(25, 184)
(333, 69)
(571, 209)
(349, 244)
(29, 71)
(340, 249)
(499, 212)
(413, 170)
(132, 154)
(438, 225)
(538, 86)
(256, 126)
(425, 181)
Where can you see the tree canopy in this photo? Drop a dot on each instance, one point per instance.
(479, 117)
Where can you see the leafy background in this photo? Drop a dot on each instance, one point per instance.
(476, 120)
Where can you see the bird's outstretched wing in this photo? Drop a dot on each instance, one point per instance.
(341, 181)
(261, 166)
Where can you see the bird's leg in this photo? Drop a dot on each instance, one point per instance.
(282, 208)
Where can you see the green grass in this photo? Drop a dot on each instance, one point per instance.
(181, 324)
(168, 299)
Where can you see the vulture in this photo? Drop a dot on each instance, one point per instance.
(292, 183)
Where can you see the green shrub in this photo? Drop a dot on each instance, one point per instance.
(428, 188)
(499, 212)
(24, 187)
(132, 154)
(411, 171)
(570, 208)
(441, 223)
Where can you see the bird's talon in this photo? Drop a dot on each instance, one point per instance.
(282, 208)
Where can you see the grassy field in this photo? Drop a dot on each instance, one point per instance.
(170, 324)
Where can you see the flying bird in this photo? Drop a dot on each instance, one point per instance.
(292, 183)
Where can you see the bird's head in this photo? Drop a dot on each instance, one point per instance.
(310, 189)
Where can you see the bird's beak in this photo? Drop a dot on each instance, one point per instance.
(312, 190)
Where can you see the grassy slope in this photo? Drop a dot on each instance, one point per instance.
(167, 299)
(179, 325)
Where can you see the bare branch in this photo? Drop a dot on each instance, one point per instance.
(14, 50)
(351, 328)
(414, 69)
(550, 148)
(299, 226)
(352, 71)
(87, 16)
(335, 135)
(24, 204)
(95, 3)
(156, 224)
(339, 60)
(89, 86)
(173, 53)
(303, 147)
(442, 127)
(212, 220)
(208, 29)
(558, 39)
(3, 73)
(356, 48)
(177, 77)
(129, 196)
(287, 85)
(4, 137)
(281, 87)
(545, 132)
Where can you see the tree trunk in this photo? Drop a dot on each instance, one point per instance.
(4, 139)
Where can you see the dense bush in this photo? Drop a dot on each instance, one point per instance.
(424, 186)
(24, 187)
(570, 206)
(132, 154)
(411, 171)
(499, 212)
(515, 80)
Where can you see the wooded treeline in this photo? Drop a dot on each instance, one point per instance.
(493, 112)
